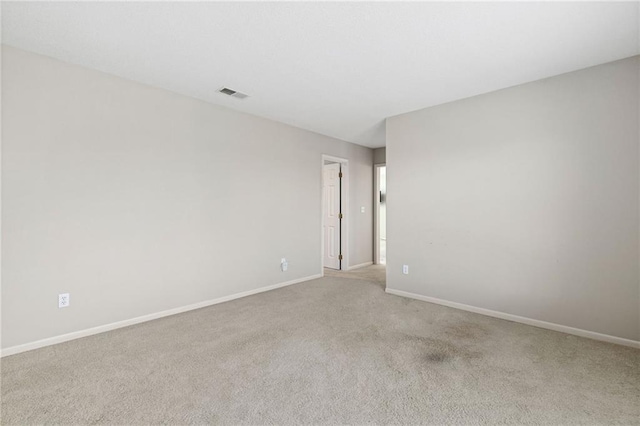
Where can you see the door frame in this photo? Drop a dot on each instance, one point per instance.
(344, 204)
(376, 213)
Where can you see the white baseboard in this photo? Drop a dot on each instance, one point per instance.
(516, 318)
(125, 323)
(361, 265)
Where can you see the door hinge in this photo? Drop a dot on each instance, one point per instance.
(340, 175)
(339, 257)
(340, 216)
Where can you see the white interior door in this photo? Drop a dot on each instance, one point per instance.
(331, 215)
(382, 215)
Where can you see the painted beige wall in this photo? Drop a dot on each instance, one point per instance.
(379, 156)
(524, 201)
(138, 200)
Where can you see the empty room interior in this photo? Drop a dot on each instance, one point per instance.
(320, 213)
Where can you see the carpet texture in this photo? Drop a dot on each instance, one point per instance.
(332, 350)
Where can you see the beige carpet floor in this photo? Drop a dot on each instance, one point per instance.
(333, 350)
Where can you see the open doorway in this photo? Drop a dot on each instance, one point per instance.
(334, 213)
(381, 215)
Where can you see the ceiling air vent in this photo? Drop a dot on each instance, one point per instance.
(233, 93)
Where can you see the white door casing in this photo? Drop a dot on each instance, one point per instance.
(331, 215)
(380, 234)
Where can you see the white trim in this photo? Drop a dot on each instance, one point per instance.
(360, 265)
(125, 323)
(376, 212)
(523, 320)
(344, 238)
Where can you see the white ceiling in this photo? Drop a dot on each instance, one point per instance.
(334, 68)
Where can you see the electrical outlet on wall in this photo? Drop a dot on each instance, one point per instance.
(405, 269)
(63, 300)
(284, 265)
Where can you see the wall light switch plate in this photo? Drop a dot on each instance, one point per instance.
(405, 269)
(63, 300)
(362, 209)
